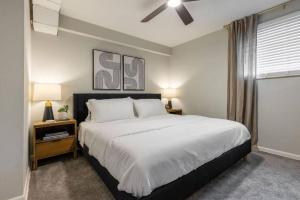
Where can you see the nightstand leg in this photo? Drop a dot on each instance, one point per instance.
(75, 154)
(34, 164)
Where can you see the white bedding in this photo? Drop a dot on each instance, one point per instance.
(143, 154)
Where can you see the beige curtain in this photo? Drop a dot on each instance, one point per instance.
(242, 104)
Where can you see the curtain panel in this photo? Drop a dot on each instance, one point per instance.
(242, 89)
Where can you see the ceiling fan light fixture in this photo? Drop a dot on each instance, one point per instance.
(174, 3)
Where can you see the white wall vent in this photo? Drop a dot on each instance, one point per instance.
(46, 16)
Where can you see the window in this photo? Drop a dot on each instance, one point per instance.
(278, 47)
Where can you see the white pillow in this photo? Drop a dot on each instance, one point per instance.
(111, 109)
(149, 107)
(88, 105)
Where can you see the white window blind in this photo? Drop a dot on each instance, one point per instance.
(278, 47)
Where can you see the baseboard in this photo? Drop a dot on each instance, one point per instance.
(18, 198)
(24, 196)
(278, 153)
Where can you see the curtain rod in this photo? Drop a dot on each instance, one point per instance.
(283, 5)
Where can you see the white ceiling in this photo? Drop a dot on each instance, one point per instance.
(167, 28)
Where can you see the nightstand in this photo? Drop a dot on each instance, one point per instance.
(175, 111)
(52, 147)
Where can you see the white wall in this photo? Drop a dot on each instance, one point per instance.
(67, 59)
(14, 104)
(199, 71)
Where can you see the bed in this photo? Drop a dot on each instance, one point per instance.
(152, 158)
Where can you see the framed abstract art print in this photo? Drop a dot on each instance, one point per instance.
(106, 70)
(133, 73)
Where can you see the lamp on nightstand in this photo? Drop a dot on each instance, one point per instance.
(48, 93)
(169, 93)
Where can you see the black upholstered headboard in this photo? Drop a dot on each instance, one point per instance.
(80, 110)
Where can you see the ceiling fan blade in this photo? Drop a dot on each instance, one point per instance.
(184, 14)
(155, 12)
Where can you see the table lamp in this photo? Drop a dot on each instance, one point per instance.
(169, 93)
(48, 93)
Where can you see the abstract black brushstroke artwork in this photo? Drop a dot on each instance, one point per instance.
(133, 73)
(107, 70)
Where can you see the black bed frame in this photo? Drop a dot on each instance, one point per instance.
(176, 190)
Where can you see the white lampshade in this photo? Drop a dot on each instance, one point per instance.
(169, 93)
(47, 92)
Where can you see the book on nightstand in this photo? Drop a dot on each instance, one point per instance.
(55, 136)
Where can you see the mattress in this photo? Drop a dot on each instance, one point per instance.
(144, 154)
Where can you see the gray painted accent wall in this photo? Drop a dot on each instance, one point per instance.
(14, 106)
(279, 114)
(199, 71)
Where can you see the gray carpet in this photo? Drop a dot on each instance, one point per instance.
(260, 177)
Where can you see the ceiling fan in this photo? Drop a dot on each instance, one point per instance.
(179, 7)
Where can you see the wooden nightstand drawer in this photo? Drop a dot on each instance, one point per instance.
(56, 147)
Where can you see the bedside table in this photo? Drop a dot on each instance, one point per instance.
(53, 147)
(175, 111)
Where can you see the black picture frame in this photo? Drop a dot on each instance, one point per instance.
(123, 69)
(93, 74)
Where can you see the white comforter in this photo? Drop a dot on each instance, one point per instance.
(143, 154)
